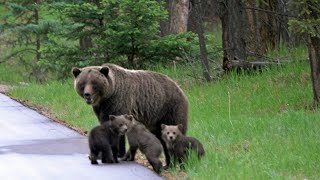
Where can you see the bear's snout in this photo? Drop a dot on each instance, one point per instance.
(125, 128)
(88, 98)
(87, 95)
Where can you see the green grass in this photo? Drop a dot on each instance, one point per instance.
(256, 127)
(10, 75)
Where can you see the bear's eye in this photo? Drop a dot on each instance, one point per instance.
(168, 133)
(94, 87)
(174, 132)
(81, 87)
(120, 125)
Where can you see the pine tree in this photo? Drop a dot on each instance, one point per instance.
(26, 29)
(124, 32)
(308, 23)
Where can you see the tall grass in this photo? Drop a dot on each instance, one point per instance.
(9, 75)
(256, 127)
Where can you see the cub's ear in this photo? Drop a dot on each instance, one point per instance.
(112, 117)
(75, 71)
(180, 127)
(129, 117)
(105, 71)
(163, 126)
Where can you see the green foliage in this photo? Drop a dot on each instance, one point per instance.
(25, 30)
(16, 14)
(125, 32)
(308, 21)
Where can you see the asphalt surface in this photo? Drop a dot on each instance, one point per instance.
(35, 147)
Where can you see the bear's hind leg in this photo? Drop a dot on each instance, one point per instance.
(155, 163)
(165, 149)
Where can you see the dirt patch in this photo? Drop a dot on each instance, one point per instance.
(4, 88)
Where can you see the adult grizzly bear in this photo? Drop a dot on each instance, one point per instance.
(152, 98)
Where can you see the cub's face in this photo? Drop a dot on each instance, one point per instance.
(121, 123)
(170, 133)
(91, 83)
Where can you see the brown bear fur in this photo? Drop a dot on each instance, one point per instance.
(141, 138)
(178, 144)
(152, 98)
(105, 139)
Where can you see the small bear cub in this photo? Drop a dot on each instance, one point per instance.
(179, 144)
(105, 139)
(139, 137)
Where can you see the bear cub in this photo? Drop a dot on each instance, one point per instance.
(179, 144)
(105, 139)
(139, 137)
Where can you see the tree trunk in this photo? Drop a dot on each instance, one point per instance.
(269, 29)
(283, 21)
(210, 12)
(37, 72)
(38, 40)
(165, 24)
(234, 33)
(202, 43)
(253, 40)
(85, 43)
(192, 20)
(131, 55)
(178, 17)
(314, 57)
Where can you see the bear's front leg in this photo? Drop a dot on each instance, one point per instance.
(129, 156)
(115, 150)
(122, 146)
(93, 158)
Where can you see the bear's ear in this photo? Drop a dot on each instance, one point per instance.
(112, 117)
(76, 71)
(105, 71)
(163, 126)
(129, 117)
(180, 127)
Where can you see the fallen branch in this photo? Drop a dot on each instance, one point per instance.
(241, 65)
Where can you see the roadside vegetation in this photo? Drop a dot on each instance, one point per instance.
(253, 126)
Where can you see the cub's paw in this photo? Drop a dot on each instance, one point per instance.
(108, 161)
(94, 162)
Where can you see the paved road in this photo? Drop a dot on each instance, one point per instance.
(34, 147)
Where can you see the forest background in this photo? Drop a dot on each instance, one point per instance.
(250, 69)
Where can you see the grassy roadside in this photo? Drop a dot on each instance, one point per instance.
(252, 126)
(256, 127)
